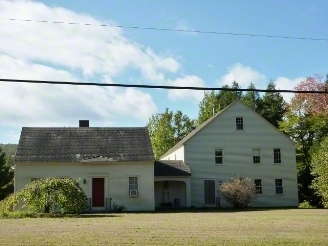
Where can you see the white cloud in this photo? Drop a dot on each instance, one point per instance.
(187, 95)
(283, 83)
(52, 105)
(244, 75)
(87, 49)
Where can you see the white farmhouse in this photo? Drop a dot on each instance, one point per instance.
(236, 141)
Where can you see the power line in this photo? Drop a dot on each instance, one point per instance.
(166, 87)
(170, 29)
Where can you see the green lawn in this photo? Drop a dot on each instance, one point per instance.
(267, 227)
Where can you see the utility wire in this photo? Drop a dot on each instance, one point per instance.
(171, 30)
(166, 87)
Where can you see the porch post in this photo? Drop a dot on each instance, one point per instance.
(188, 192)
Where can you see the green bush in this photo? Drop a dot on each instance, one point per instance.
(305, 204)
(48, 196)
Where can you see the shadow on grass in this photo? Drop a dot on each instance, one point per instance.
(215, 210)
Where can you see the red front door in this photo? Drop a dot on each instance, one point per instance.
(98, 192)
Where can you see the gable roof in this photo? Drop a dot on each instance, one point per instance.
(84, 144)
(171, 168)
(205, 123)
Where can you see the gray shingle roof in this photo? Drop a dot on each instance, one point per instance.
(84, 144)
(171, 168)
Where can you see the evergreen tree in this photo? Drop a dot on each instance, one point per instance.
(6, 176)
(253, 99)
(226, 97)
(273, 106)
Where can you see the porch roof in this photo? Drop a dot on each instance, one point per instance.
(171, 168)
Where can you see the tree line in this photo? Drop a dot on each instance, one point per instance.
(304, 119)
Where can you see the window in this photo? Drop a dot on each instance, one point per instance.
(256, 156)
(258, 186)
(166, 185)
(239, 123)
(277, 155)
(279, 187)
(133, 186)
(218, 156)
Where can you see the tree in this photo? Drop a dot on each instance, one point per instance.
(253, 98)
(47, 195)
(6, 176)
(307, 128)
(238, 191)
(273, 106)
(320, 172)
(208, 106)
(167, 129)
(312, 103)
(226, 97)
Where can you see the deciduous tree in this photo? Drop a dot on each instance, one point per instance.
(167, 129)
(208, 106)
(320, 171)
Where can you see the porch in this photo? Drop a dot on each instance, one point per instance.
(172, 184)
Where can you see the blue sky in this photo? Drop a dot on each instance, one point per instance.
(45, 51)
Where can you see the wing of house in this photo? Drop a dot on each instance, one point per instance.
(236, 141)
(114, 165)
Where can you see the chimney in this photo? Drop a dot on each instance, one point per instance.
(83, 123)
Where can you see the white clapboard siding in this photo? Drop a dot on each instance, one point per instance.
(116, 174)
(237, 146)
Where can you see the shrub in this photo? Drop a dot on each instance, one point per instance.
(238, 191)
(305, 204)
(47, 195)
(118, 208)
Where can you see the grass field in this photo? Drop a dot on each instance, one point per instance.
(259, 227)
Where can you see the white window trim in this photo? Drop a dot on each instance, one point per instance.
(278, 163)
(260, 163)
(282, 185)
(138, 184)
(219, 164)
(236, 123)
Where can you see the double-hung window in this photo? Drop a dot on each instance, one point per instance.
(276, 155)
(279, 187)
(133, 186)
(239, 123)
(218, 156)
(258, 186)
(256, 156)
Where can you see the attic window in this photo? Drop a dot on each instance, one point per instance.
(239, 123)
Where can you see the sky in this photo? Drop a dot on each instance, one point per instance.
(110, 54)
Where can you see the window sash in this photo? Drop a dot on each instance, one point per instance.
(133, 183)
(258, 186)
(256, 156)
(279, 187)
(239, 123)
(218, 156)
(277, 155)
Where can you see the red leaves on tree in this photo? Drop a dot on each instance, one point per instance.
(311, 103)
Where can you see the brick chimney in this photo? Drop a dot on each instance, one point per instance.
(83, 123)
